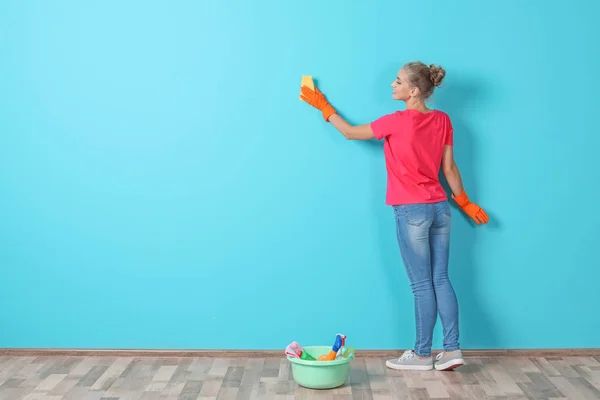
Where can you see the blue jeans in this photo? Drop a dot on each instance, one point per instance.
(424, 238)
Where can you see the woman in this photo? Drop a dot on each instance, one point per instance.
(418, 142)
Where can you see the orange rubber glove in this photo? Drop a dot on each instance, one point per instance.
(471, 209)
(328, 357)
(316, 99)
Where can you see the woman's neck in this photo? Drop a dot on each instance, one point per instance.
(415, 104)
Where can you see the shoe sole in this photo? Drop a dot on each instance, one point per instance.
(450, 365)
(409, 367)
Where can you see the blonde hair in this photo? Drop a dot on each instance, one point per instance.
(424, 77)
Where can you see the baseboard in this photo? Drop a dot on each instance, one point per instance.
(36, 352)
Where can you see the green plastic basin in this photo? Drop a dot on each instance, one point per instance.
(320, 374)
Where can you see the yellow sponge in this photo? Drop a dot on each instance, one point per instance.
(306, 81)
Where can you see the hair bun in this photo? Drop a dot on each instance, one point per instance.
(436, 74)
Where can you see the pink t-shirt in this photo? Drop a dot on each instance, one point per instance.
(413, 148)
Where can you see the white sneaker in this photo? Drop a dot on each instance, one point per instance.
(447, 361)
(409, 360)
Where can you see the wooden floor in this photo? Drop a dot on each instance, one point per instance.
(147, 378)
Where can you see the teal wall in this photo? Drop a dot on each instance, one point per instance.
(163, 187)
